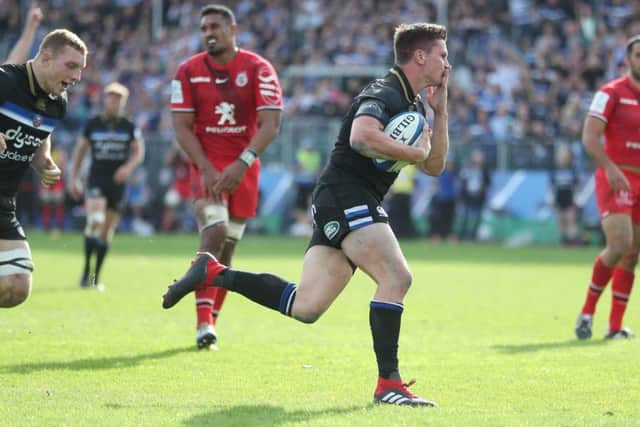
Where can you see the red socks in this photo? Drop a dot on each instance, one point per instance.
(204, 304)
(218, 300)
(620, 291)
(599, 279)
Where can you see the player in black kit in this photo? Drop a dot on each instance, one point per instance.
(33, 99)
(350, 226)
(117, 148)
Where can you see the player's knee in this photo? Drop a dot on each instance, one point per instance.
(14, 290)
(629, 260)
(306, 313)
(619, 247)
(308, 316)
(403, 279)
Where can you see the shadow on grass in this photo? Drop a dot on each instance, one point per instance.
(92, 364)
(530, 348)
(264, 415)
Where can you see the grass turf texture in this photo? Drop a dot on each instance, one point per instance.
(487, 332)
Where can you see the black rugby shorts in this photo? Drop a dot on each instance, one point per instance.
(105, 186)
(340, 209)
(10, 228)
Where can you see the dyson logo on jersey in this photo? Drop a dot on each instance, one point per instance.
(16, 157)
(21, 139)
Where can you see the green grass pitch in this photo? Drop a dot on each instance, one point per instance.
(487, 333)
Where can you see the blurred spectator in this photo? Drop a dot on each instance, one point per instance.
(564, 180)
(442, 208)
(52, 197)
(180, 191)
(399, 203)
(308, 164)
(136, 195)
(474, 185)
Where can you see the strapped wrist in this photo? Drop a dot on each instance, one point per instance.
(248, 156)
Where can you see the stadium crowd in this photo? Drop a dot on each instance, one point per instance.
(524, 70)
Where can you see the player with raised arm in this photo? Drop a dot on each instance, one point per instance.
(351, 228)
(226, 104)
(33, 99)
(615, 115)
(117, 148)
(20, 51)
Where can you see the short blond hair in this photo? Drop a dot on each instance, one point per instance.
(58, 39)
(117, 89)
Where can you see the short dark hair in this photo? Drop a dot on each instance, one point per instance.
(633, 40)
(409, 37)
(58, 39)
(218, 9)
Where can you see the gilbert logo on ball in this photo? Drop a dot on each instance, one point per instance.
(404, 128)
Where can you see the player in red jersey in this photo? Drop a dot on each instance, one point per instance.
(226, 104)
(615, 114)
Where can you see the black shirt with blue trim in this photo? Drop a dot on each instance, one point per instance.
(382, 99)
(110, 141)
(28, 115)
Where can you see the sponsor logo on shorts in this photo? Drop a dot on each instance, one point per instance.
(381, 211)
(331, 229)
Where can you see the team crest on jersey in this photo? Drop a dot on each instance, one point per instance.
(242, 79)
(226, 111)
(41, 104)
(331, 229)
(37, 121)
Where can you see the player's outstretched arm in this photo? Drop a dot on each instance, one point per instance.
(20, 51)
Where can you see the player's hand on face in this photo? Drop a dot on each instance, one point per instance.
(3, 143)
(617, 180)
(231, 177)
(49, 173)
(438, 94)
(122, 174)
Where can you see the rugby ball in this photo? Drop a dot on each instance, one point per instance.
(404, 128)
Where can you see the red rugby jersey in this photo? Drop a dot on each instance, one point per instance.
(225, 99)
(617, 103)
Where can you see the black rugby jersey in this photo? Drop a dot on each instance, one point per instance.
(28, 115)
(394, 94)
(110, 142)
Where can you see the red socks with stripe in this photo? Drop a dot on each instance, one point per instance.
(620, 291)
(599, 279)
